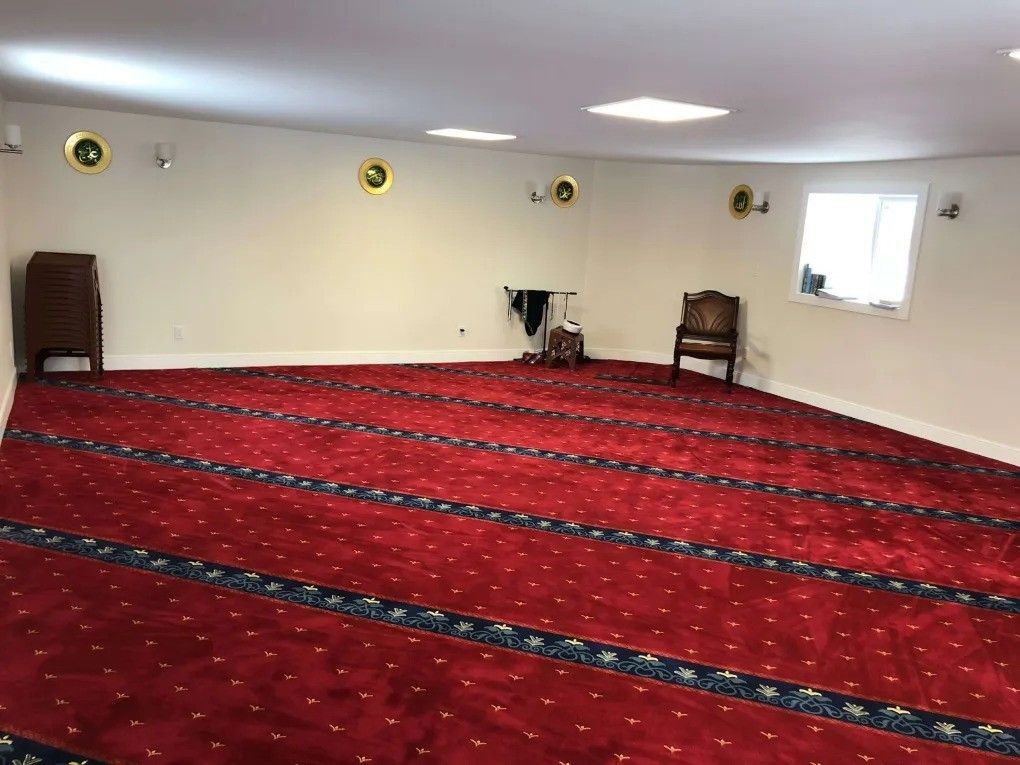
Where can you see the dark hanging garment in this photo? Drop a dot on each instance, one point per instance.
(530, 304)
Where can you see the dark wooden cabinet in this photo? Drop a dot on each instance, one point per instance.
(63, 310)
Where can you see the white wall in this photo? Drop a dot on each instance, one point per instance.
(7, 371)
(261, 242)
(951, 372)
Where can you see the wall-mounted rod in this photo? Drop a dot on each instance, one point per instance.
(551, 292)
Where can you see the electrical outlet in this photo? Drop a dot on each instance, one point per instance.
(178, 332)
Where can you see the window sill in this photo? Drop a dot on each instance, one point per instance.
(854, 306)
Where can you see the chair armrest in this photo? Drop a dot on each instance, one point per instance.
(680, 332)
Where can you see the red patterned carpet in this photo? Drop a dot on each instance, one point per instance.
(494, 563)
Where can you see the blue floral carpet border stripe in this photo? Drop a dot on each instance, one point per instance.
(628, 392)
(760, 689)
(726, 482)
(590, 532)
(595, 420)
(631, 378)
(18, 750)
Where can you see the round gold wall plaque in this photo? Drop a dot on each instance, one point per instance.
(87, 152)
(741, 201)
(375, 175)
(564, 191)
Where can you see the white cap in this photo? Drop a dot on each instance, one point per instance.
(12, 136)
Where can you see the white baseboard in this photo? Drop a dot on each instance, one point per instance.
(282, 359)
(938, 434)
(7, 400)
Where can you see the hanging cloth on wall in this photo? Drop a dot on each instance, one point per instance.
(530, 304)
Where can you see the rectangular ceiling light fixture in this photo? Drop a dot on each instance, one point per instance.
(472, 135)
(657, 110)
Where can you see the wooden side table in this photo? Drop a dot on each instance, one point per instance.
(564, 346)
(63, 310)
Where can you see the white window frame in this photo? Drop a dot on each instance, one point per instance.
(920, 190)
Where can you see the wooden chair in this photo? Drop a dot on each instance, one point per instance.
(708, 330)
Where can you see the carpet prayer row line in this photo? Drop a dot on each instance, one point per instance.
(837, 671)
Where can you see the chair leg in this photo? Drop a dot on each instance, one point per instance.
(674, 373)
(729, 375)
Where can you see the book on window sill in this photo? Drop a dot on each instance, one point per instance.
(830, 295)
(805, 282)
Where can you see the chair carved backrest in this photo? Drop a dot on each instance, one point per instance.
(710, 314)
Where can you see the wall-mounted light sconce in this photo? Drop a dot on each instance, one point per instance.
(764, 207)
(164, 155)
(949, 206)
(12, 140)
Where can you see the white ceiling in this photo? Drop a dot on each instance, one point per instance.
(813, 80)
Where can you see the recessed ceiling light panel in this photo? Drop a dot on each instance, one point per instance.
(471, 135)
(657, 110)
(1013, 53)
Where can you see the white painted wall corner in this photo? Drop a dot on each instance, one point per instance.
(7, 400)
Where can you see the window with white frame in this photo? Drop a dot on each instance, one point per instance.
(858, 248)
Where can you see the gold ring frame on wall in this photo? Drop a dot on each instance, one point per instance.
(87, 152)
(741, 201)
(564, 191)
(375, 175)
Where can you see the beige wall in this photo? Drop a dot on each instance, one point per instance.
(7, 371)
(950, 372)
(261, 242)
